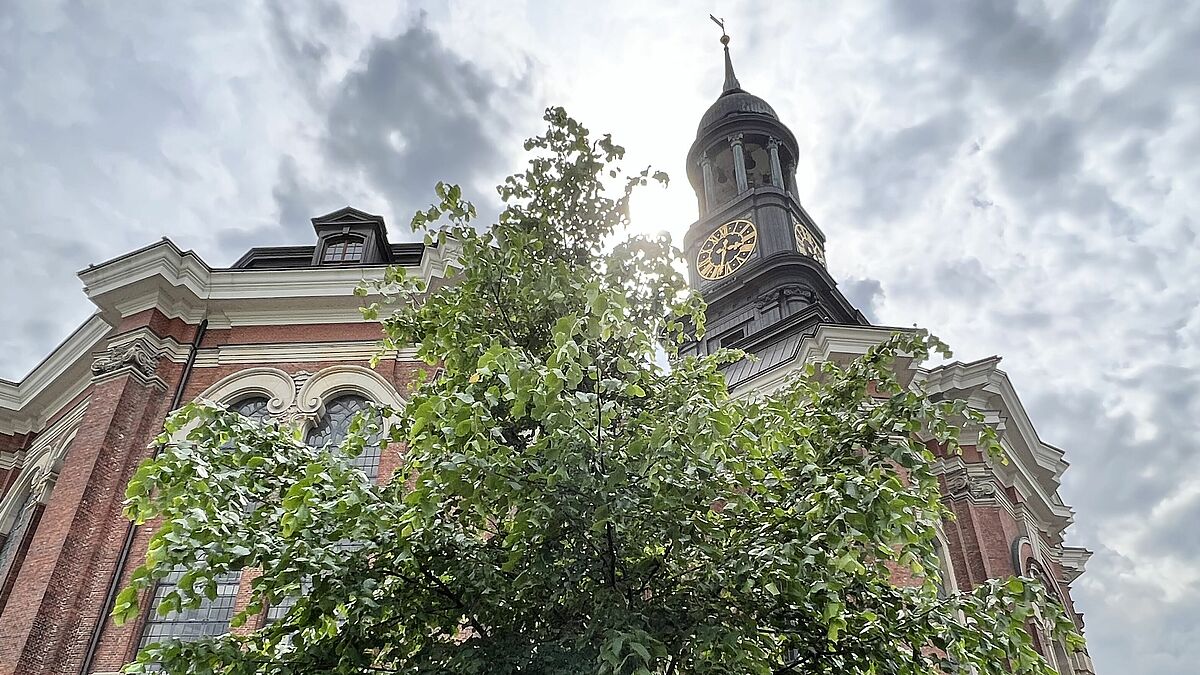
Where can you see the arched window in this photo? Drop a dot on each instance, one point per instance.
(15, 535)
(332, 428)
(344, 249)
(1062, 659)
(947, 583)
(758, 164)
(724, 179)
(252, 407)
(334, 425)
(1054, 650)
(212, 616)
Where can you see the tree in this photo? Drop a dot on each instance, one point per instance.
(569, 500)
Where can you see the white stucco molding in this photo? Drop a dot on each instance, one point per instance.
(181, 285)
(298, 352)
(299, 399)
(276, 385)
(829, 343)
(27, 405)
(1073, 560)
(949, 577)
(346, 379)
(40, 465)
(1035, 467)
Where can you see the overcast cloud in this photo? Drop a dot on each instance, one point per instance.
(1019, 177)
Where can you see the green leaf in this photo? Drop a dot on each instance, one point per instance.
(570, 491)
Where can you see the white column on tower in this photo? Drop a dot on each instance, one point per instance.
(776, 169)
(739, 162)
(709, 188)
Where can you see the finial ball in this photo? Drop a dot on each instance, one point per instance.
(725, 40)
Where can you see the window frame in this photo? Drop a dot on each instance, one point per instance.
(369, 459)
(336, 250)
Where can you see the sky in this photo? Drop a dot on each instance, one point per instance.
(1018, 177)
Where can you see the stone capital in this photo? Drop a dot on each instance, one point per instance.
(137, 356)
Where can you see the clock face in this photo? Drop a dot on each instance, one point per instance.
(807, 244)
(726, 249)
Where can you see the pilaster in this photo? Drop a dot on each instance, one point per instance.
(57, 598)
(709, 188)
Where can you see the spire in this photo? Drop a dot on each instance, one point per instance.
(731, 81)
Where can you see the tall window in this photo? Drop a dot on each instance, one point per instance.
(334, 426)
(15, 535)
(946, 582)
(212, 616)
(343, 250)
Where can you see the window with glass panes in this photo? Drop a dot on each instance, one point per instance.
(334, 425)
(349, 249)
(280, 609)
(252, 407)
(15, 534)
(332, 428)
(210, 618)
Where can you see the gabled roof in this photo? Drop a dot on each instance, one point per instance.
(348, 215)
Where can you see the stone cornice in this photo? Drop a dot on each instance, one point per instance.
(1073, 559)
(296, 352)
(1036, 467)
(181, 285)
(27, 405)
(831, 342)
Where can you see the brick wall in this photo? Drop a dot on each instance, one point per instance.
(118, 644)
(47, 619)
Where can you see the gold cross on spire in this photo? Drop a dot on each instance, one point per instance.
(731, 81)
(721, 23)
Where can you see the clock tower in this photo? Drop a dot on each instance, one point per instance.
(755, 253)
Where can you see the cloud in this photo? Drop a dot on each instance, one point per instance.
(414, 112)
(864, 294)
(221, 126)
(120, 126)
(405, 112)
(1010, 50)
(1018, 177)
(1053, 225)
(894, 166)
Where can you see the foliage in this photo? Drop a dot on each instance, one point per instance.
(569, 501)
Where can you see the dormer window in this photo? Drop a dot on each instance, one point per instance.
(343, 250)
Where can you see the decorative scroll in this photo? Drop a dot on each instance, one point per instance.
(138, 355)
(963, 484)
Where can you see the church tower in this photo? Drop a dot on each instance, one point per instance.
(755, 253)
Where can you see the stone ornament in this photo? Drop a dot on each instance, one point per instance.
(298, 399)
(965, 485)
(139, 356)
(784, 293)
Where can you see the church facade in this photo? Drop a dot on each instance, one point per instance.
(278, 335)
